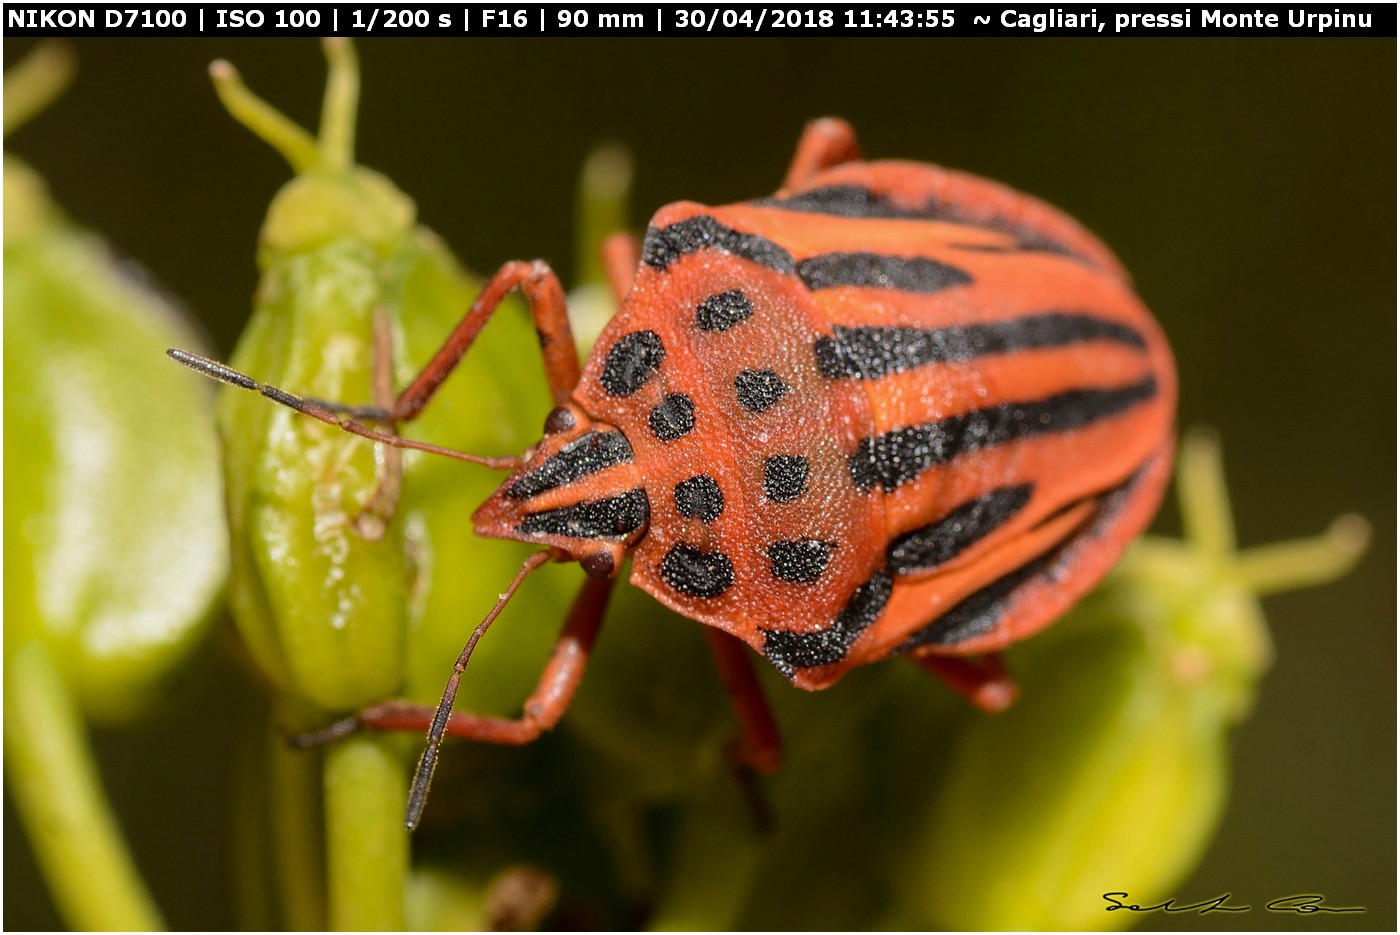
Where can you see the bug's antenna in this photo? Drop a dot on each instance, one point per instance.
(327, 411)
(423, 775)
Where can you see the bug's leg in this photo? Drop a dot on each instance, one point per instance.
(760, 747)
(827, 142)
(547, 304)
(987, 685)
(542, 710)
(549, 308)
(373, 518)
(621, 256)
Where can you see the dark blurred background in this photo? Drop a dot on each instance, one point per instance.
(1248, 185)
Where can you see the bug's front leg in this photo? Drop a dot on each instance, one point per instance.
(827, 142)
(550, 310)
(547, 304)
(987, 685)
(541, 712)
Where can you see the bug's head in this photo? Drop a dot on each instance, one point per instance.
(579, 491)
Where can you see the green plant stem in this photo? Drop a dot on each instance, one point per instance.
(601, 207)
(1284, 566)
(32, 85)
(1206, 517)
(366, 842)
(252, 878)
(337, 140)
(297, 848)
(61, 802)
(295, 144)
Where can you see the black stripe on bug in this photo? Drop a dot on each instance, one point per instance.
(871, 352)
(898, 456)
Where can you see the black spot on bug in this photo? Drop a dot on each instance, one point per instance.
(802, 561)
(723, 310)
(900, 455)
(587, 455)
(672, 418)
(609, 518)
(785, 477)
(879, 271)
(930, 546)
(631, 361)
(699, 497)
(789, 652)
(868, 353)
(695, 573)
(665, 245)
(759, 389)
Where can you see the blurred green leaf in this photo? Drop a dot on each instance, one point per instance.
(1110, 774)
(114, 537)
(115, 542)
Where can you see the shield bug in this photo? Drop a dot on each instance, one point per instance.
(892, 410)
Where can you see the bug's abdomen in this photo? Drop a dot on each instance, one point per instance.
(1022, 400)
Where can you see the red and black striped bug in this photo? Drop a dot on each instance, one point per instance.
(891, 410)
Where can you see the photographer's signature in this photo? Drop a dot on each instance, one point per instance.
(1303, 904)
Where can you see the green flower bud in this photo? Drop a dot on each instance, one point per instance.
(321, 606)
(318, 209)
(319, 580)
(114, 537)
(115, 547)
(355, 572)
(356, 577)
(1110, 773)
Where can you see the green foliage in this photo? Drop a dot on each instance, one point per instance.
(1111, 774)
(115, 546)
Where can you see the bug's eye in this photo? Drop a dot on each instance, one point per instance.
(560, 419)
(598, 565)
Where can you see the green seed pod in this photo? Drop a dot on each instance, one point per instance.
(337, 560)
(319, 586)
(114, 539)
(355, 574)
(1110, 773)
(115, 547)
